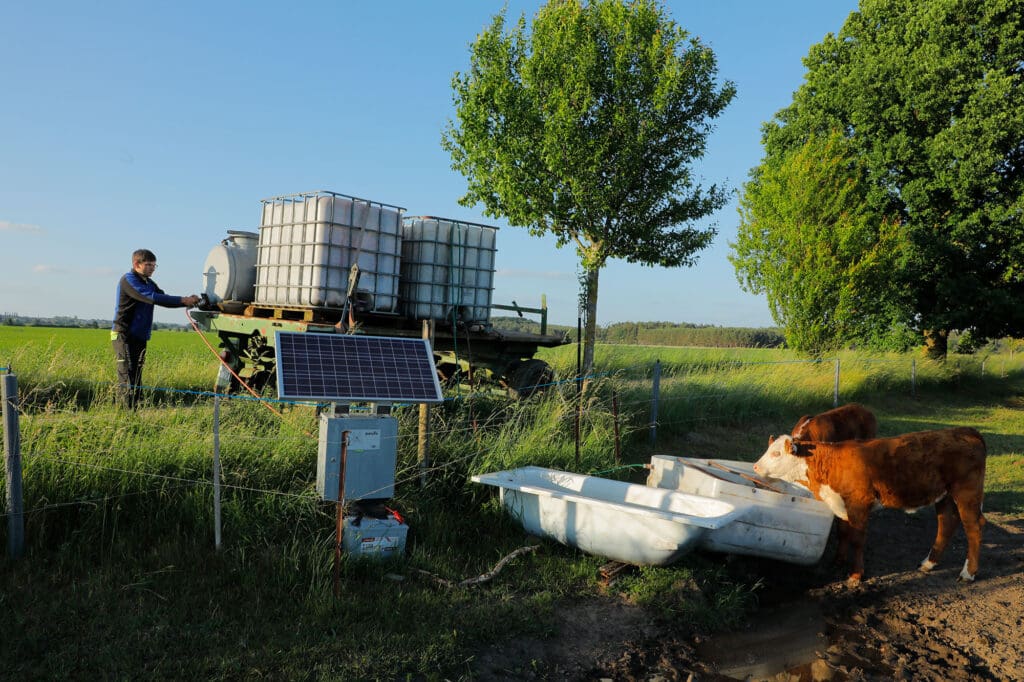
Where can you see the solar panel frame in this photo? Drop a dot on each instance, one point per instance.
(355, 368)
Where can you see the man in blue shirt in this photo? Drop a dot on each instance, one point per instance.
(137, 293)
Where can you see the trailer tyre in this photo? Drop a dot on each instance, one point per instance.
(527, 377)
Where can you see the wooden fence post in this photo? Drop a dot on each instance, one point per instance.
(423, 442)
(12, 459)
(655, 392)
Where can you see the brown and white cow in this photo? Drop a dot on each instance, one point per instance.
(842, 423)
(944, 467)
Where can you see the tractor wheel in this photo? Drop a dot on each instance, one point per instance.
(526, 377)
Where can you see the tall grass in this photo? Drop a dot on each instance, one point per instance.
(57, 367)
(121, 579)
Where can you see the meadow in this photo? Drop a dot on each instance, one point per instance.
(120, 576)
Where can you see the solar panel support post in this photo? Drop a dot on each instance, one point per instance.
(339, 522)
(423, 442)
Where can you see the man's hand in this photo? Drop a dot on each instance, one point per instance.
(190, 301)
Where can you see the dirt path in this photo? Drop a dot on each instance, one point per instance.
(899, 624)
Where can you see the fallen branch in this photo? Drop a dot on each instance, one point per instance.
(484, 577)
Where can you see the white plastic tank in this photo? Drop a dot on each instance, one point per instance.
(309, 242)
(447, 269)
(229, 273)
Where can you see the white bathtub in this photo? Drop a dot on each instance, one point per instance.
(632, 523)
(787, 524)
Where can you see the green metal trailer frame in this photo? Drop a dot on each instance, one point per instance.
(475, 353)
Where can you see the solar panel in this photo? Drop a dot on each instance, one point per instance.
(355, 368)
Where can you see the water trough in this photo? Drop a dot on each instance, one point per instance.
(631, 523)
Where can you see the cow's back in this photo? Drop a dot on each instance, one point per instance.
(847, 422)
(911, 470)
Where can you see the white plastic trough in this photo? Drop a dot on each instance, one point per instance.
(787, 524)
(632, 523)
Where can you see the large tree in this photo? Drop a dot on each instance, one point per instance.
(929, 98)
(811, 244)
(585, 127)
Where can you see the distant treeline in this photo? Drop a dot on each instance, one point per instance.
(661, 333)
(16, 320)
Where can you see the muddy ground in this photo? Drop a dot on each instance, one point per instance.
(899, 624)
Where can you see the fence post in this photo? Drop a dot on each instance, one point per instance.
(579, 382)
(339, 520)
(12, 459)
(835, 390)
(216, 472)
(655, 391)
(423, 430)
(913, 377)
(615, 414)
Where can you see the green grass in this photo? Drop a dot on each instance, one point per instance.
(120, 578)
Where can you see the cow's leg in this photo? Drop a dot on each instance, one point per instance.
(945, 509)
(857, 532)
(843, 532)
(973, 520)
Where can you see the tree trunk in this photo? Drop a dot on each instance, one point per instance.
(590, 330)
(936, 344)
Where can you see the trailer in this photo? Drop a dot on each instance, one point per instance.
(480, 356)
(331, 263)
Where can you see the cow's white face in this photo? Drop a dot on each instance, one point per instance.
(778, 461)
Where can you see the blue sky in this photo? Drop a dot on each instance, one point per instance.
(161, 125)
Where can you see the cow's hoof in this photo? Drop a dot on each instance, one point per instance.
(965, 576)
(926, 566)
(853, 580)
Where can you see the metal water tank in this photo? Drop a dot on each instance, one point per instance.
(229, 273)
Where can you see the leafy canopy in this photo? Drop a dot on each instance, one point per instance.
(584, 129)
(928, 96)
(808, 241)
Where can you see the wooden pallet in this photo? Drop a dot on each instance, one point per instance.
(612, 570)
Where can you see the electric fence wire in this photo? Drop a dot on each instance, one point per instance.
(494, 424)
(402, 477)
(96, 500)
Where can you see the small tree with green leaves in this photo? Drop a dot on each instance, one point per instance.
(585, 128)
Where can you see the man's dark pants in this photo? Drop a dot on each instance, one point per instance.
(131, 356)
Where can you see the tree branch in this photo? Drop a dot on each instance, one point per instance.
(483, 577)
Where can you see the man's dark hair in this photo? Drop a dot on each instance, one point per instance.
(143, 256)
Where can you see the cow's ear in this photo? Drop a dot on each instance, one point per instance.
(802, 448)
(793, 446)
(771, 439)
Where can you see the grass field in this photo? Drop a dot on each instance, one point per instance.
(120, 577)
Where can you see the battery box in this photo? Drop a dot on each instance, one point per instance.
(374, 538)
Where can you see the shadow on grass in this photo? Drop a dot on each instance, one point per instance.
(1005, 501)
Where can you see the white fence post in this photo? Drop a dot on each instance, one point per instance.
(835, 390)
(913, 377)
(216, 471)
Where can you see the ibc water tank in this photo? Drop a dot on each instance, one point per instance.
(229, 273)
